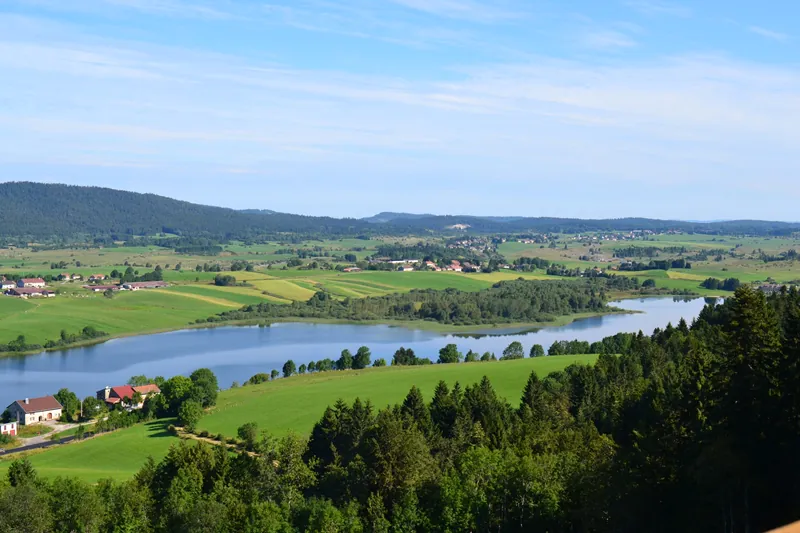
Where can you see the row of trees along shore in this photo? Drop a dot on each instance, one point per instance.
(447, 355)
(694, 428)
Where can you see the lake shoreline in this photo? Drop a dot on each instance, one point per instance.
(508, 328)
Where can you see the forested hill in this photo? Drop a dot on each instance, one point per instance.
(575, 225)
(43, 211)
(50, 211)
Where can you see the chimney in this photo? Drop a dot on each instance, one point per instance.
(27, 401)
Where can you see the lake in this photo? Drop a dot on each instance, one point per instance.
(236, 353)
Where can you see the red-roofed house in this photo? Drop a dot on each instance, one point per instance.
(31, 283)
(32, 410)
(97, 277)
(147, 390)
(124, 394)
(6, 284)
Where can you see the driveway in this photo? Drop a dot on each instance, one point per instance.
(57, 428)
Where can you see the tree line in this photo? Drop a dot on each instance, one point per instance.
(21, 344)
(729, 284)
(508, 301)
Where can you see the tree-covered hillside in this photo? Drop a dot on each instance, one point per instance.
(45, 211)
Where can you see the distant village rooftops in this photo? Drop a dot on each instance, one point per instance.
(29, 292)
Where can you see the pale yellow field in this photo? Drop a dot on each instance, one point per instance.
(283, 289)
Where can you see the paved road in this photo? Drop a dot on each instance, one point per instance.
(36, 446)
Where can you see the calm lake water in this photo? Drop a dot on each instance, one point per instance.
(236, 353)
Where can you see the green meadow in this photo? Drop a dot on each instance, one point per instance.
(295, 404)
(127, 313)
(282, 406)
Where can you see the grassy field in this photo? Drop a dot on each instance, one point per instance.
(296, 404)
(116, 455)
(126, 313)
(285, 405)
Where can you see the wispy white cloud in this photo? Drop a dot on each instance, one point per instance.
(607, 39)
(658, 8)
(484, 11)
(175, 7)
(171, 8)
(769, 34)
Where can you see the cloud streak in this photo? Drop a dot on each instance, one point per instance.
(769, 34)
(485, 12)
(607, 40)
(658, 8)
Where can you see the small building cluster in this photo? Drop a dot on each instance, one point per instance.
(773, 288)
(47, 408)
(30, 292)
(26, 288)
(133, 286)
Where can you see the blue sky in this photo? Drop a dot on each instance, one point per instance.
(349, 107)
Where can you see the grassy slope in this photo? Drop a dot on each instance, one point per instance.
(296, 404)
(116, 455)
(293, 404)
(41, 320)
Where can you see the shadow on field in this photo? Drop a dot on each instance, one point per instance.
(159, 428)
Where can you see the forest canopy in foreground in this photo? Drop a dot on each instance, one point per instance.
(691, 429)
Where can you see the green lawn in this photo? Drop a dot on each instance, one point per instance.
(116, 455)
(128, 312)
(285, 405)
(295, 404)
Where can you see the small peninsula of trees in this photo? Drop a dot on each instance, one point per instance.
(730, 284)
(508, 301)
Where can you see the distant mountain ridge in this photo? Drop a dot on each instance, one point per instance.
(388, 216)
(39, 211)
(258, 211)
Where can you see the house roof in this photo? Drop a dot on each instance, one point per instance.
(37, 405)
(32, 280)
(147, 389)
(30, 290)
(146, 284)
(124, 391)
